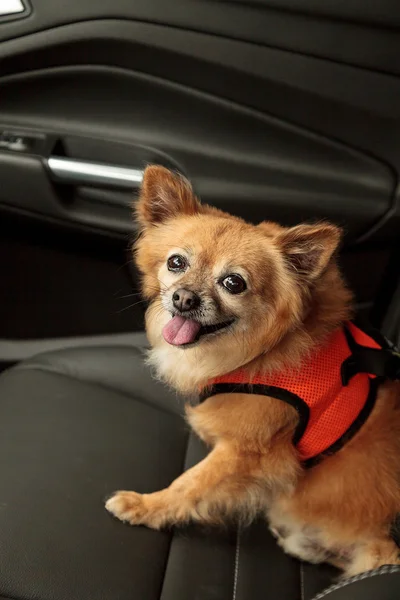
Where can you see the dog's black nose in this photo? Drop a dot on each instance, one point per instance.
(185, 300)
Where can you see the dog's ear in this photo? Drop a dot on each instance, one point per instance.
(164, 195)
(309, 248)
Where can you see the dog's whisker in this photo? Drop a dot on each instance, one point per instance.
(129, 295)
(131, 306)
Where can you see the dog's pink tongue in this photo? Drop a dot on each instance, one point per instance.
(179, 331)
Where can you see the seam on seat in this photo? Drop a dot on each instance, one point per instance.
(237, 559)
(302, 581)
(133, 396)
(36, 361)
(171, 539)
(385, 570)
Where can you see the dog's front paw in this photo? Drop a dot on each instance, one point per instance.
(127, 506)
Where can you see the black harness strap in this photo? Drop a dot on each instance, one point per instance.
(383, 362)
(265, 390)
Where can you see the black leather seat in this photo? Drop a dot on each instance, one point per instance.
(80, 423)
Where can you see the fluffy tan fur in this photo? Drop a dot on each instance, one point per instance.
(340, 510)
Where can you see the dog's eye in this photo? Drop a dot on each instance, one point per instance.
(235, 284)
(176, 263)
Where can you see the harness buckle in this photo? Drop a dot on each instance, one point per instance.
(379, 362)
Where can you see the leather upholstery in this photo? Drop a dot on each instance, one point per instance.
(75, 425)
(382, 584)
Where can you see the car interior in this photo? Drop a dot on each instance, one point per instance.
(284, 110)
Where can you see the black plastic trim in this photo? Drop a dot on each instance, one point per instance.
(383, 13)
(312, 32)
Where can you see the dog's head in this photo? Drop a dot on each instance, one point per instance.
(221, 291)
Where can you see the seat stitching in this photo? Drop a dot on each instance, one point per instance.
(385, 570)
(237, 559)
(302, 581)
(172, 537)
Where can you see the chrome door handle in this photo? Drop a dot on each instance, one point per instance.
(82, 172)
(11, 7)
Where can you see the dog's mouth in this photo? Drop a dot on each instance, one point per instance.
(180, 331)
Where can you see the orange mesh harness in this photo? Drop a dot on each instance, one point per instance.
(333, 392)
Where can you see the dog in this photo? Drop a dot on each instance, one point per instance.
(235, 309)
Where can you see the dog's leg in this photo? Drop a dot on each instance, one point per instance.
(224, 481)
(371, 555)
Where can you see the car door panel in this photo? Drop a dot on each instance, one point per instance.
(275, 110)
(351, 32)
(238, 159)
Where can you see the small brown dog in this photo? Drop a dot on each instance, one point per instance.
(238, 305)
